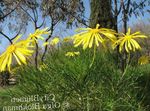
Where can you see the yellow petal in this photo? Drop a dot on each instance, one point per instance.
(129, 31)
(21, 57)
(46, 43)
(96, 41)
(129, 45)
(4, 63)
(97, 26)
(126, 47)
(137, 46)
(17, 38)
(91, 41)
(17, 59)
(9, 61)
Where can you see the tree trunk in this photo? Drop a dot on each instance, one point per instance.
(101, 13)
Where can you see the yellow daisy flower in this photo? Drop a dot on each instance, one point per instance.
(128, 41)
(45, 43)
(72, 54)
(67, 39)
(43, 67)
(38, 34)
(88, 36)
(55, 41)
(143, 60)
(19, 51)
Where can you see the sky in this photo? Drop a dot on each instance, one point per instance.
(62, 31)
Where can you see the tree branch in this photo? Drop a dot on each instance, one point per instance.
(16, 34)
(80, 21)
(11, 11)
(41, 24)
(139, 5)
(6, 37)
(45, 49)
(27, 14)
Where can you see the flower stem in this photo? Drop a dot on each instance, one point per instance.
(128, 60)
(94, 55)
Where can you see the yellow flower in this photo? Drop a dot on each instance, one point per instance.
(67, 39)
(55, 41)
(19, 51)
(45, 43)
(89, 37)
(14, 70)
(71, 54)
(43, 66)
(38, 34)
(127, 41)
(143, 60)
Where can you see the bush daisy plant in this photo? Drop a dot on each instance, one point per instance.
(19, 51)
(128, 43)
(86, 37)
(68, 72)
(92, 38)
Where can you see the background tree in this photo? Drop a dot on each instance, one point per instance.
(70, 12)
(123, 10)
(12, 17)
(101, 13)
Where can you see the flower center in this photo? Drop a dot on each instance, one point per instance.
(128, 37)
(95, 30)
(11, 48)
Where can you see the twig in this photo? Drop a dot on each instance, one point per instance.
(6, 37)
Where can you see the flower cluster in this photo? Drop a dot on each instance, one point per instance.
(19, 51)
(88, 37)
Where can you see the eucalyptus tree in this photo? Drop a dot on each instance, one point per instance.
(12, 18)
(101, 13)
(70, 12)
(123, 10)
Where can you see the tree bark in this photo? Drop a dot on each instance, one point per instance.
(101, 13)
